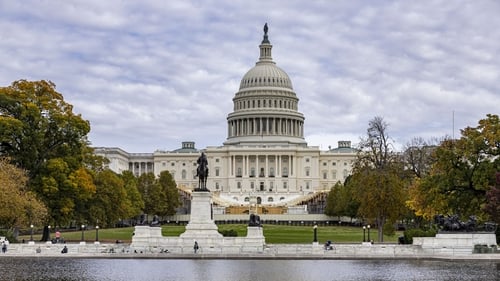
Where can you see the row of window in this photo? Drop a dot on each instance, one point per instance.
(269, 81)
(262, 186)
(261, 174)
(239, 173)
(239, 160)
(276, 103)
(334, 163)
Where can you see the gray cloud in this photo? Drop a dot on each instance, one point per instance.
(151, 74)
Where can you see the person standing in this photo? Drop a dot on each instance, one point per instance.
(196, 247)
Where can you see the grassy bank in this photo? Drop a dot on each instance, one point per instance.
(273, 233)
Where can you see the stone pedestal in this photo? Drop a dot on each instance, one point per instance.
(144, 235)
(454, 243)
(201, 224)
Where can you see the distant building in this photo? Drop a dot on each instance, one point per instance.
(265, 157)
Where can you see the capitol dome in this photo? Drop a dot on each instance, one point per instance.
(266, 74)
(265, 107)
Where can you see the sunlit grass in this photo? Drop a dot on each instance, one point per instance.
(272, 233)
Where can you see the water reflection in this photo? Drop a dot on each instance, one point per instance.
(68, 269)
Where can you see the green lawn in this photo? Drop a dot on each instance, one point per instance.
(273, 233)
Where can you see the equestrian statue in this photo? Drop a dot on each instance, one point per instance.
(202, 172)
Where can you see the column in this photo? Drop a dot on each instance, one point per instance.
(278, 165)
(233, 165)
(266, 171)
(245, 165)
(257, 172)
(261, 127)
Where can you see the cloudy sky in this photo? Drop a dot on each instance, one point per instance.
(151, 74)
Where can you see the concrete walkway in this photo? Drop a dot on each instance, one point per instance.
(269, 251)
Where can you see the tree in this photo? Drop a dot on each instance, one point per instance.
(110, 202)
(418, 156)
(150, 190)
(133, 194)
(170, 192)
(41, 134)
(378, 178)
(340, 201)
(418, 159)
(463, 171)
(492, 207)
(18, 206)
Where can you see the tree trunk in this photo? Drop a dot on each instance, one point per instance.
(380, 229)
(45, 234)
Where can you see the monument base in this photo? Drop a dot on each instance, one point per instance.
(202, 229)
(458, 243)
(201, 224)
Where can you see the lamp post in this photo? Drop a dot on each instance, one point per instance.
(49, 233)
(31, 233)
(96, 233)
(315, 228)
(368, 233)
(364, 233)
(83, 232)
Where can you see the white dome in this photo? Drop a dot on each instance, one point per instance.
(265, 107)
(266, 74)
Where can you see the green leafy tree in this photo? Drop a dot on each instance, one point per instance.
(110, 202)
(133, 194)
(170, 193)
(341, 202)
(378, 180)
(41, 134)
(151, 193)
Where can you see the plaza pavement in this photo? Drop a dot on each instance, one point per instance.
(269, 251)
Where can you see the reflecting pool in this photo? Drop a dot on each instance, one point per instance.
(43, 268)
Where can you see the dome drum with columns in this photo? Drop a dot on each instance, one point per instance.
(265, 158)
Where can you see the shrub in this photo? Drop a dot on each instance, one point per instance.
(8, 235)
(417, 232)
(228, 233)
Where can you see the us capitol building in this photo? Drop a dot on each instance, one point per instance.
(265, 161)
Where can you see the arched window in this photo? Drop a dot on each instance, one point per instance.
(247, 199)
(270, 199)
(184, 173)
